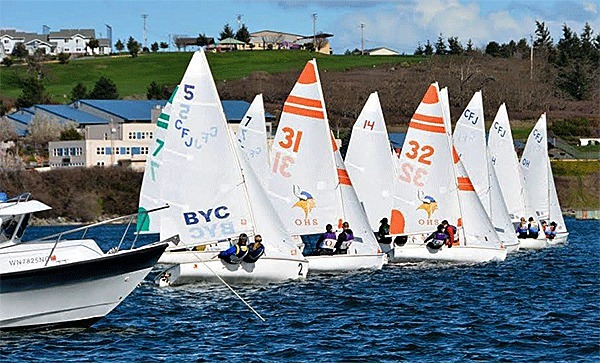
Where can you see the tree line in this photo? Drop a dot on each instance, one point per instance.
(571, 64)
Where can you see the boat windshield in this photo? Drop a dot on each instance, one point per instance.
(9, 225)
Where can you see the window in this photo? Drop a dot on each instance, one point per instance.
(5, 41)
(131, 136)
(151, 135)
(66, 49)
(128, 151)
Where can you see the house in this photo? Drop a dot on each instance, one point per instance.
(269, 39)
(184, 42)
(73, 41)
(381, 51)
(587, 141)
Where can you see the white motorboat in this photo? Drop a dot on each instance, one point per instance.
(214, 195)
(309, 184)
(53, 281)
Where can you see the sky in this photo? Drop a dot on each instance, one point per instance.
(399, 25)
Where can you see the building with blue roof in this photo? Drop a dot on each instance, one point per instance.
(64, 114)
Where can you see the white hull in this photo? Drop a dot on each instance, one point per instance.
(343, 263)
(265, 270)
(561, 238)
(534, 244)
(85, 301)
(511, 248)
(411, 252)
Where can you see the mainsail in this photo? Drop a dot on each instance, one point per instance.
(252, 139)
(370, 162)
(534, 166)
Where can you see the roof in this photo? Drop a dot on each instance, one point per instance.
(71, 113)
(380, 48)
(128, 110)
(231, 41)
(236, 109)
(30, 206)
(22, 116)
(67, 33)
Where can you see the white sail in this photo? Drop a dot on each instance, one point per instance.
(470, 143)
(534, 168)
(555, 210)
(371, 171)
(150, 192)
(353, 211)
(426, 192)
(502, 154)
(252, 139)
(206, 195)
(303, 179)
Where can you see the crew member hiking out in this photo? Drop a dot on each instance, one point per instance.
(452, 233)
(533, 228)
(437, 239)
(522, 229)
(236, 253)
(344, 239)
(326, 242)
(255, 250)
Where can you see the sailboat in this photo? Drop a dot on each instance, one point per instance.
(213, 195)
(503, 157)
(308, 184)
(433, 185)
(537, 174)
(252, 139)
(371, 163)
(470, 143)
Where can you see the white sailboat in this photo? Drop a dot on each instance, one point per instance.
(371, 170)
(539, 182)
(211, 200)
(252, 139)
(502, 155)
(470, 143)
(307, 187)
(432, 186)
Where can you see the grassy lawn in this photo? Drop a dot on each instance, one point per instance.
(133, 75)
(575, 168)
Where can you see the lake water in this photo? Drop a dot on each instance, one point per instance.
(535, 306)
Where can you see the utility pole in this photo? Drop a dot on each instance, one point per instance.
(362, 38)
(314, 18)
(239, 20)
(145, 16)
(531, 59)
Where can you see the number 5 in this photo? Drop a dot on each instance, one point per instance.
(188, 93)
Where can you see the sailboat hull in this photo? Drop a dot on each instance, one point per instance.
(344, 263)
(561, 238)
(512, 247)
(72, 294)
(534, 244)
(265, 270)
(414, 252)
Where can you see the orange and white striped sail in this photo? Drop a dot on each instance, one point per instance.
(303, 175)
(425, 191)
(370, 162)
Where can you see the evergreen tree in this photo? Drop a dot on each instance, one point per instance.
(78, 92)
(93, 44)
(523, 47)
(469, 46)
(428, 48)
(493, 49)
(164, 45)
(440, 46)
(119, 45)
(226, 33)
(19, 51)
(154, 47)
(202, 40)
(70, 134)
(157, 92)
(33, 92)
(133, 47)
(104, 89)
(243, 35)
(419, 50)
(454, 46)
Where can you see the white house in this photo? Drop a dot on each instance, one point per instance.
(586, 142)
(381, 51)
(73, 41)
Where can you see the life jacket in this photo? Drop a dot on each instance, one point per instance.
(439, 239)
(254, 254)
(454, 234)
(240, 253)
(533, 228)
(328, 242)
(349, 238)
(550, 234)
(522, 229)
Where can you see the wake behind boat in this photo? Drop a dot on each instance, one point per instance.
(53, 281)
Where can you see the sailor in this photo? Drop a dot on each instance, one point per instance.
(236, 253)
(326, 242)
(533, 228)
(452, 233)
(550, 231)
(255, 250)
(384, 230)
(522, 229)
(344, 239)
(437, 239)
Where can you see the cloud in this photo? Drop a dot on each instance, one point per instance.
(330, 3)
